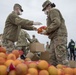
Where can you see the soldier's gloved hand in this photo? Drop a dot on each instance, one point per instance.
(37, 23)
(44, 32)
(35, 28)
(23, 56)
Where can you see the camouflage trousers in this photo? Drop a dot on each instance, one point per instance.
(23, 48)
(9, 45)
(58, 51)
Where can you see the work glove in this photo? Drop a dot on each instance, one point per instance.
(23, 56)
(44, 32)
(37, 23)
(35, 28)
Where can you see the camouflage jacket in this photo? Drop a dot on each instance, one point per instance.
(34, 40)
(55, 24)
(13, 25)
(23, 38)
(47, 47)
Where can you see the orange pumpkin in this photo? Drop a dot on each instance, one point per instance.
(16, 53)
(41, 29)
(2, 49)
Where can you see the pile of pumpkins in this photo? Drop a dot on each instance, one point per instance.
(11, 64)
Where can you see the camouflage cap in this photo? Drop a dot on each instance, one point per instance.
(18, 5)
(45, 4)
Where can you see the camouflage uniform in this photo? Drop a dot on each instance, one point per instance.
(22, 43)
(57, 33)
(12, 28)
(34, 40)
(0, 39)
(47, 47)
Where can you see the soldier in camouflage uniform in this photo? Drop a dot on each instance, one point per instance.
(22, 43)
(57, 33)
(47, 46)
(0, 39)
(34, 39)
(13, 25)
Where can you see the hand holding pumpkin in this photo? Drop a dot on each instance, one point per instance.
(42, 30)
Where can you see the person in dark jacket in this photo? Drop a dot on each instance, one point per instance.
(71, 46)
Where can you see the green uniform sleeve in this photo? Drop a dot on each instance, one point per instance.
(55, 21)
(28, 37)
(16, 20)
(28, 27)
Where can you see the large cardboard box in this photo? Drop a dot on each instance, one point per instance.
(45, 56)
(35, 58)
(32, 56)
(37, 47)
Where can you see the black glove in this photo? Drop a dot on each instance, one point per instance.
(23, 56)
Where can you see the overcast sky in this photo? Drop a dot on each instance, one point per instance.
(33, 11)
